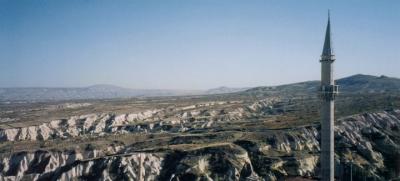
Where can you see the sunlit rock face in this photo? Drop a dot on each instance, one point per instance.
(43, 165)
(93, 124)
(176, 119)
(371, 141)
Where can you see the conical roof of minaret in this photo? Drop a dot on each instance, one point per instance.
(328, 50)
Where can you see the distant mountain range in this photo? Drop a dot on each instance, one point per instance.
(98, 92)
(354, 84)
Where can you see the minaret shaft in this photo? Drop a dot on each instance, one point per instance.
(327, 73)
(327, 140)
(328, 93)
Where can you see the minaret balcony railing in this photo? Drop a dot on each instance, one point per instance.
(330, 58)
(329, 92)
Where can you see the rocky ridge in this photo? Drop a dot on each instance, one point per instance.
(175, 119)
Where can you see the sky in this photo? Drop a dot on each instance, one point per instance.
(192, 44)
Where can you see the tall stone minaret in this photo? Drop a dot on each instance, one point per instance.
(328, 93)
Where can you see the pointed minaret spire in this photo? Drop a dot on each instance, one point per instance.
(328, 50)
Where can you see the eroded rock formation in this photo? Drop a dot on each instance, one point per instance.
(370, 142)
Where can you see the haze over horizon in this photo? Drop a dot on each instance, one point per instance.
(204, 89)
(191, 45)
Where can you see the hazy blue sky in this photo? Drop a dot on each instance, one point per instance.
(192, 44)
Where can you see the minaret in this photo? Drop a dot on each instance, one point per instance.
(328, 93)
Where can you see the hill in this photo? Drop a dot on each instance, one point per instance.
(224, 90)
(358, 83)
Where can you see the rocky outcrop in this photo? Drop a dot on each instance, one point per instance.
(369, 142)
(177, 119)
(198, 163)
(94, 124)
(44, 165)
(217, 162)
